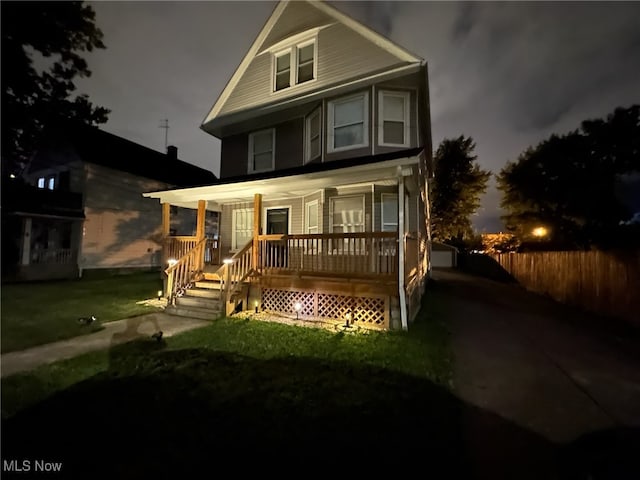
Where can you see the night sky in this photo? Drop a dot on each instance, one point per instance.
(507, 74)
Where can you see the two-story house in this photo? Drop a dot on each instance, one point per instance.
(81, 209)
(325, 164)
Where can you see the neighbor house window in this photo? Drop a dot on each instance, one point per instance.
(389, 212)
(295, 65)
(41, 182)
(393, 126)
(51, 183)
(262, 146)
(242, 230)
(348, 122)
(312, 222)
(347, 214)
(313, 134)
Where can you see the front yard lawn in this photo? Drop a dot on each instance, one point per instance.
(243, 396)
(38, 313)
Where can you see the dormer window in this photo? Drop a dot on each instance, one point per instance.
(294, 65)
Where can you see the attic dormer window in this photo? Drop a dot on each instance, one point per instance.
(295, 64)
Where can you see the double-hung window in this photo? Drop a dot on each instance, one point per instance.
(242, 227)
(393, 124)
(295, 64)
(347, 214)
(313, 135)
(389, 217)
(262, 147)
(348, 122)
(312, 221)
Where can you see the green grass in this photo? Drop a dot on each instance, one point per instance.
(38, 313)
(241, 395)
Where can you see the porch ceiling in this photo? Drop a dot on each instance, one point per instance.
(292, 186)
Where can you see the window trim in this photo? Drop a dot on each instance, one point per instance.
(330, 122)
(234, 213)
(251, 154)
(307, 135)
(382, 222)
(342, 197)
(312, 203)
(406, 96)
(292, 49)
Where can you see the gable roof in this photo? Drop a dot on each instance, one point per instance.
(278, 27)
(93, 145)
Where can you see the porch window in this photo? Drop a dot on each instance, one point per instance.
(347, 214)
(349, 122)
(393, 129)
(389, 212)
(311, 217)
(262, 146)
(242, 227)
(313, 132)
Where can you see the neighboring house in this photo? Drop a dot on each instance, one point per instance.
(326, 155)
(82, 207)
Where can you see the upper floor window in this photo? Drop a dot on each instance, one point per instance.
(262, 148)
(295, 65)
(393, 126)
(313, 134)
(47, 182)
(348, 122)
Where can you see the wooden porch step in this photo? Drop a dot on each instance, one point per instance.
(198, 302)
(212, 276)
(193, 312)
(203, 292)
(208, 284)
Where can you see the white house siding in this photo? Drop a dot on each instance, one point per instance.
(343, 54)
(122, 229)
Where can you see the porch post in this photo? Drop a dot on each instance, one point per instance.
(202, 208)
(25, 258)
(257, 221)
(166, 228)
(401, 253)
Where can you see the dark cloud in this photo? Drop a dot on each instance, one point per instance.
(508, 74)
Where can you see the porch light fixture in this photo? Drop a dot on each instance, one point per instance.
(172, 262)
(12, 176)
(228, 261)
(297, 306)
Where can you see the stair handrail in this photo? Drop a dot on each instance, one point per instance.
(185, 270)
(235, 270)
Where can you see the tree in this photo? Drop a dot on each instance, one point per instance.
(567, 183)
(458, 184)
(41, 47)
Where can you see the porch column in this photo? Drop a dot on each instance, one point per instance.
(166, 228)
(401, 253)
(202, 209)
(25, 258)
(257, 221)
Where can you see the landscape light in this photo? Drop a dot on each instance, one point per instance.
(12, 176)
(297, 306)
(256, 305)
(159, 294)
(347, 318)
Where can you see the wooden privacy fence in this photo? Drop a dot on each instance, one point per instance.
(602, 282)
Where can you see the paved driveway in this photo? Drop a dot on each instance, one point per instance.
(548, 368)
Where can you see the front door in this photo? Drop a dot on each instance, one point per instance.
(277, 221)
(278, 224)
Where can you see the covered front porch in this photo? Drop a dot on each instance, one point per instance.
(294, 248)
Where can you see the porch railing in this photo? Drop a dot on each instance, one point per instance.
(368, 254)
(52, 256)
(177, 246)
(185, 270)
(234, 272)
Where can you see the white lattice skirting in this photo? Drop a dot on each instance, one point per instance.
(367, 311)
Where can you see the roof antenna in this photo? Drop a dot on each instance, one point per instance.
(165, 124)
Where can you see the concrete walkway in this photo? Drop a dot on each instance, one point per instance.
(114, 333)
(548, 368)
